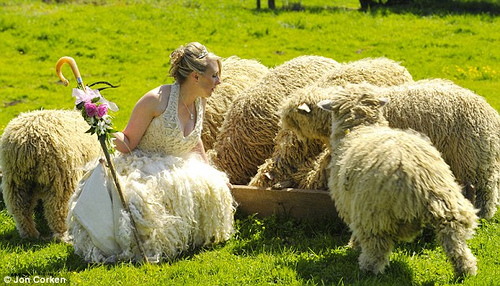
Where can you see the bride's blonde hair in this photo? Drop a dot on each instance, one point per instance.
(192, 57)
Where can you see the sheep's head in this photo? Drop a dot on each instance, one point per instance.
(301, 114)
(352, 106)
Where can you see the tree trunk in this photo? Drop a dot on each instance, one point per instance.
(271, 4)
(258, 4)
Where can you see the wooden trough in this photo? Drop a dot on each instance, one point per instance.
(300, 204)
(295, 203)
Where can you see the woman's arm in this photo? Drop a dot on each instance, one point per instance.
(142, 114)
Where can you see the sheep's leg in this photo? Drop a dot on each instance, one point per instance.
(487, 200)
(21, 202)
(375, 252)
(452, 236)
(353, 242)
(56, 210)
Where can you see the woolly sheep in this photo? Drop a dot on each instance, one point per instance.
(377, 71)
(462, 126)
(460, 123)
(246, 137)
(237, 75)
(44, 153)
(387, 183)
(279, 170)
(301, 165)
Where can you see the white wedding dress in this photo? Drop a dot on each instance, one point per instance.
(176, 200)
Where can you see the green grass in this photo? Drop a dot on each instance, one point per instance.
(128, 43)
(263, 251)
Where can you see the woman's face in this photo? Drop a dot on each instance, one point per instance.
(210, 79)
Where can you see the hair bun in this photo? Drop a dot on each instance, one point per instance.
(176, 56)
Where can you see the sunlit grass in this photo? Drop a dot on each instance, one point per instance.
(128, 43)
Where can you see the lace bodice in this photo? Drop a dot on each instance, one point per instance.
(164, 134)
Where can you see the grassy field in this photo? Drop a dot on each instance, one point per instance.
(128, 43)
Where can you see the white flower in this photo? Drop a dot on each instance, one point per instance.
(101, 127)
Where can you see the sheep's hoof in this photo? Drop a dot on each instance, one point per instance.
(34, 234)
(64, 237)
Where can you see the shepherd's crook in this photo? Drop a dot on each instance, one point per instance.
(102, 139)
(71, 62)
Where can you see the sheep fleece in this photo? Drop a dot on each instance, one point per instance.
(387, 183)
(44, 153)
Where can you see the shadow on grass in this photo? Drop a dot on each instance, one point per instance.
(34, 263)
(276, 234)
(318, 253)
(417, 7)
(336, 268)
(339, 265)
(444, 7)
(33, 252)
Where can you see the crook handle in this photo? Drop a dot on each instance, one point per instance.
(71, 62)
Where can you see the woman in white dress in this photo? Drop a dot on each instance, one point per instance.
(177, 200)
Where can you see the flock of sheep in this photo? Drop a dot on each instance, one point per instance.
(394, 153)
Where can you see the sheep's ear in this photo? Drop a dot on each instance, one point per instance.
(325, 105)
(383, 101)
(304, 107)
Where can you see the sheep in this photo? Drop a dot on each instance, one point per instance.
(377, 71)
(388, 183)
(460, 123)
(462, 126)
(237, 74)
(301, 165)
(44, 153)
(291, 157)
(246, 137)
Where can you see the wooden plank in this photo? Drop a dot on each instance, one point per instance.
(295, 203)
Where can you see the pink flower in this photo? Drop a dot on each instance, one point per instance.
(102, 110)
(90, 108)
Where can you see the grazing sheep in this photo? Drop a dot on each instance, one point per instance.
(462, 126)
(314, 173)
(245, 139)
(388, 183)
(278, 171)
(237, 75)
(460, 123)
(377, 71)
(44, 154)
(299, 164)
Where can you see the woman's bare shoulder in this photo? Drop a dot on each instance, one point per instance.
(155, 100)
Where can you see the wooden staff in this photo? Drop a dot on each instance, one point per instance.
(102, 139)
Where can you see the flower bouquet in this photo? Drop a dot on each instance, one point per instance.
(94, 108)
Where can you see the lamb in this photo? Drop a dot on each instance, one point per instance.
(387, 183)
(301, 163)
(246, 137)
(44, 153)
(460, 123)
(237, 75)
